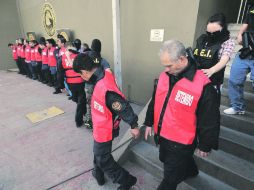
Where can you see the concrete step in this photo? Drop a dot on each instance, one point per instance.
(234, 33)
(234, 27)
(241, 123)
(233, 142)
(230, 169)
(237, 143)
(247, 85)
(147, 156)
(248, 97)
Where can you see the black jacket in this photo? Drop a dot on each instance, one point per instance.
(208, 114)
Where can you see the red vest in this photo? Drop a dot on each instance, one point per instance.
(71, 76)
(22, 52)
(44, 56)
(101, 115)
(179, 120)
(62, 51)
(51, 57)
(14, 52)
(37, 54)
(28, 53)
(19, 50)
(32, 54)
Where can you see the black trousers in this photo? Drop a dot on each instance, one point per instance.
(178, 163)
(18, 65)
(105, 163)
(22, 65)
(78, 96)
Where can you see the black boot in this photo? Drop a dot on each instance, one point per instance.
(167, 186)
(99, 176)
(50, 80)
(79, 124)
(128, 183)
(57, 91)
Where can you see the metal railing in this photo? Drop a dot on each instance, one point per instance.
(242, 11)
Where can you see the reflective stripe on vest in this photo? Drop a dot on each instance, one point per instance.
(179, 119)
(101, 115)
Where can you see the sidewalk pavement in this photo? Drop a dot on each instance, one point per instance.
(39, 156)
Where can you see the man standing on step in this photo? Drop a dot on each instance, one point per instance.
(185, 114)
(242, 65)
(108, 106)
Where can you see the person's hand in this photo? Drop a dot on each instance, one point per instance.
(208, 72)
(202, 154)
(135, 133)
(239, 39)
(148, 132)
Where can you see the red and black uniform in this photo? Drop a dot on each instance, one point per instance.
(45, 67)
(52, 63)
(14, 52)
(20, 60)
(75, 84)
(183, 109)
(59, 52)
(28, 66)
(108, 105)
(15, 57)
(38, 59)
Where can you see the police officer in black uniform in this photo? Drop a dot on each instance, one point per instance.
(116, 105)
(208, 48)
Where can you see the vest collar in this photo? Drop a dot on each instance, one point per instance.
(98, 75)
(188, 73)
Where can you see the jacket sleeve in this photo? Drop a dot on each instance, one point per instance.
(208, 119)
(122, 108)
(149, 120)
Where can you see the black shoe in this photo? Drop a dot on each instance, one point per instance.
(99, 178)
(58, 91)
(80, 124)
(128, 183)
(50, 84)
(70, 98)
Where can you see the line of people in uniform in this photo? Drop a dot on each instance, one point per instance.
(50, 62)
(184, 109)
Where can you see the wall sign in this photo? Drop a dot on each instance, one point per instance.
(157, 35)
(49, 19)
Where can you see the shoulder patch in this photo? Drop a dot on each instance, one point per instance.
(117, 106)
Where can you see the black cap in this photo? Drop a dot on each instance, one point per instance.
(87, 62)
(96, 46)
(42, 41)
(51, 41)
(61, 38)
(77, 44)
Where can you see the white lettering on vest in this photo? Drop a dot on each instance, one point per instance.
(184, 98)
(98, 107)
